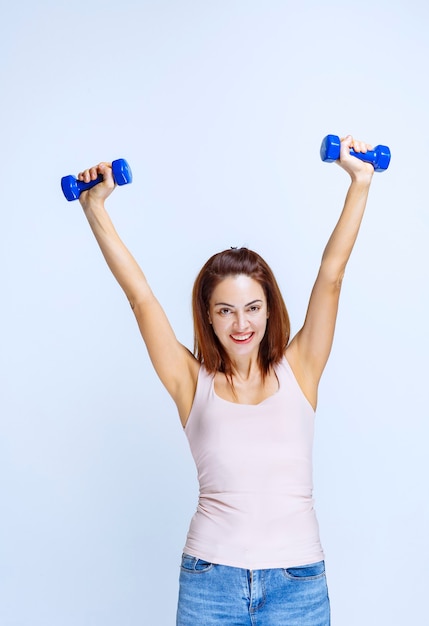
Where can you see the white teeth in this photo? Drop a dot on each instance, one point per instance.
(241, 337)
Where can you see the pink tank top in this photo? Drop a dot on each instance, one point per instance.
(254, 463)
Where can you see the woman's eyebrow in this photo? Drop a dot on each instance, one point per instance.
(223, 304)
(232, 306)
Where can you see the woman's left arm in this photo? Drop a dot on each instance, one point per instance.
(309, 350)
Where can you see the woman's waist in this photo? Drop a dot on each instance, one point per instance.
(259, 535)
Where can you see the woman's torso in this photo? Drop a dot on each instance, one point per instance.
(254, 464)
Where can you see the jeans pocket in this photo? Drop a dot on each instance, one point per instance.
(195, 565)
(306, 572)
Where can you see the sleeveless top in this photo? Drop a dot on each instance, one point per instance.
(254, 464)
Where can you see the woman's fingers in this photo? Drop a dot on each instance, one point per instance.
(355, 144)
(92, 173)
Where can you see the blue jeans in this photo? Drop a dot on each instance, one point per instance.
(212, 594)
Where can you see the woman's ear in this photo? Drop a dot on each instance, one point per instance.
(210, 319)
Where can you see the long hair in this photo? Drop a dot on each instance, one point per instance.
(232, 262)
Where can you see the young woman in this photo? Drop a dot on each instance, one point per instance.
(246, 399)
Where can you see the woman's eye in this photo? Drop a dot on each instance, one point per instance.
(254, 309)
(225, 311)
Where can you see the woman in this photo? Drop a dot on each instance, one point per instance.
(246, 399)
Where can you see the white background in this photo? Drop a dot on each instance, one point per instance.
(220, 109)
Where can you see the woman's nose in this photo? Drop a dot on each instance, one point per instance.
(240, 320)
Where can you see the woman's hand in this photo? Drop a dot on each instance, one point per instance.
(359, 170)
(102, 190)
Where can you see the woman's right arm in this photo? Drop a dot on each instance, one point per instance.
(175, 365)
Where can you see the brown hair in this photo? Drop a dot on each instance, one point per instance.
(232, 262)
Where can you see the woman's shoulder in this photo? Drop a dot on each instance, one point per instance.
(294, 366)
(184, 397)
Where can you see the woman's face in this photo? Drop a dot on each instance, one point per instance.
(238, 313)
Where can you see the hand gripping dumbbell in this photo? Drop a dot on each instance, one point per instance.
(379, 157)
(72, 187)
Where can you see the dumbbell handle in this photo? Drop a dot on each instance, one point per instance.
(72, 187)
(379, 157)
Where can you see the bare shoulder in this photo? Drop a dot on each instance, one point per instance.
(292, 357)
(302, 373)
(185, 393)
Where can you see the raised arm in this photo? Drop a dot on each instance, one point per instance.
(309, 350)
(175, 365)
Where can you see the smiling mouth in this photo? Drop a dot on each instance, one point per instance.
(242, 338)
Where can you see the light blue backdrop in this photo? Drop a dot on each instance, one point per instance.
(220, 108)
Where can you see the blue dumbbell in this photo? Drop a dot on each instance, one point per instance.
(72, 187)
(379, 157)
